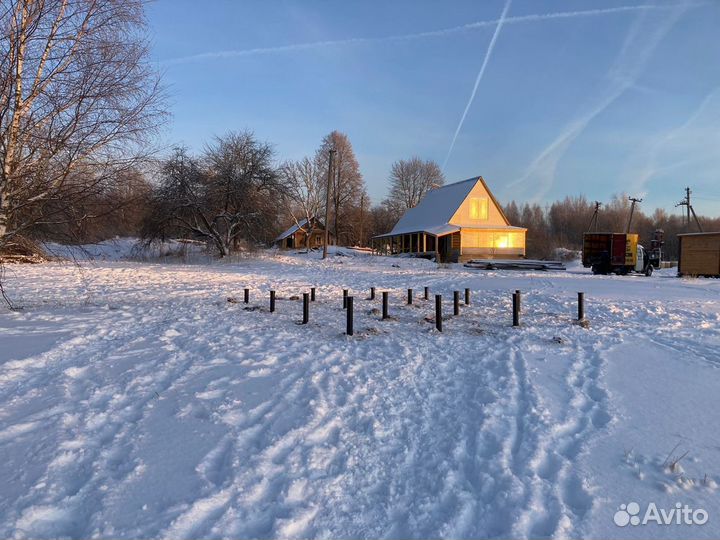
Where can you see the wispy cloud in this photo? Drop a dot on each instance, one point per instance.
(684, 144)
(238, 53)
(638, 46)
(479, 77)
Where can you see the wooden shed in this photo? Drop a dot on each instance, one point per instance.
(699, 254)
(304, 235)
(455, 223)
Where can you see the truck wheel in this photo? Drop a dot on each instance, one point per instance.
(649, 270)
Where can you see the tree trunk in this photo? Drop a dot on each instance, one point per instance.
(11, 138)
(4, 215)
(222, 248)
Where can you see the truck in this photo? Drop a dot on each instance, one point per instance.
(618, 253)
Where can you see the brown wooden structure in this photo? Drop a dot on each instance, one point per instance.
(699, 254)
(304, 236)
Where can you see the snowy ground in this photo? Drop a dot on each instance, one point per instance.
(136, 401)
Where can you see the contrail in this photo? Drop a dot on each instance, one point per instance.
(419, 35)
(478, 78)
(629, 65)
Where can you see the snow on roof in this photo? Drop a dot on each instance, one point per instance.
(292, 230)
(436, 208)
(439, 230)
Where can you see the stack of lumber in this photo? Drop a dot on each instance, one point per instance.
(514, 264)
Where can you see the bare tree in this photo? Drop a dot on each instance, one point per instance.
(177, 200)
(381, 220)
(410, 180)
(303, 193)
(347, 186)
(231, 195)
(568, 220)
(78, 100)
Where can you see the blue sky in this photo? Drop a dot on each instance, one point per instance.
(577, 96)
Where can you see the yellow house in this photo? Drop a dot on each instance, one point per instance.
(455, 223)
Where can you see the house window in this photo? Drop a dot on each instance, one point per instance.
(479, 208)
(501, 241)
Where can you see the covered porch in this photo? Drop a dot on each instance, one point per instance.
(440, 245)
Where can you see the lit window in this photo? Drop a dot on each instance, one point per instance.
(478, 208)
(501, 241)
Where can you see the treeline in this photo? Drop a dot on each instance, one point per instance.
(562, 224)
(237, 195)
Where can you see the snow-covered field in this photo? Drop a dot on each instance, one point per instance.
(137, 402)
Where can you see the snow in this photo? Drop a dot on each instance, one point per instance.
(136, 401)
(435, 209)
(436, 230)
(125, 248)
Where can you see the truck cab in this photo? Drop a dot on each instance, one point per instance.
(643, 264)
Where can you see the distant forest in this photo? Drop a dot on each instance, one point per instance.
(562, 224)
(234, 196)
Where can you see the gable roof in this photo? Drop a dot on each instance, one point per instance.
(299, 225)
(437, 208)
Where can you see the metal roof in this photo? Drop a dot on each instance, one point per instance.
(299, 225)
(438, 206)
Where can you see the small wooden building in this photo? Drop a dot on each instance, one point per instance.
(699, 254)
(304, 236)
(455, 223)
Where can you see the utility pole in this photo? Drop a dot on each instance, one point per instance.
(362, 219)
(689, 210)
(327, 204)
(634, 201)
(685, 202)
(594, 220)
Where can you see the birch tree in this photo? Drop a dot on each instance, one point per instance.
(78, 101)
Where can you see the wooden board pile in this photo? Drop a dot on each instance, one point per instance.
(514, 264)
